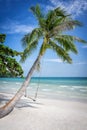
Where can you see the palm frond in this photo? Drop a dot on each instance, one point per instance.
(64, 26)
(25, 40)
(51, 23)
(40, 17)
(67, 42)
(60, 52)
(28, 50)
(56, 13)
(42, 23)
(57, 21)
(50, 18)
(36, 11)
(79, 39)
(29, 38)
(60, 12)
(35, 34)
(55, 17)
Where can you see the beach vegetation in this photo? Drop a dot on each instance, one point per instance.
(9, 67)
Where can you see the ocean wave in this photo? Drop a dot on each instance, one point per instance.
(18, 83)
(83, 90)
(72, 88)
(47, 85)
(5, 82)
(79, 87)
(33, 84)
(46, 90)
(63, 86)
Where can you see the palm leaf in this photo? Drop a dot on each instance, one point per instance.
(64, 26)
(72, 38)
(28, 50)
(60, 51)
(40, 17)
(56, 13)
(67, 42)
(36, 11)
(79, 39)
(60, 12)
(51, 23)
(25, 40)
(55, 17)
(29, 38)
(42, 23)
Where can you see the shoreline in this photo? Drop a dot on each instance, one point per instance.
(5, 97)
(46, 114)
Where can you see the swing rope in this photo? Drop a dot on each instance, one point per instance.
(36, 93)
(35, 97)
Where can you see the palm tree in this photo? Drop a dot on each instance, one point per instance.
(51, 29)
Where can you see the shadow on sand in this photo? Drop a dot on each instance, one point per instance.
(22, 103)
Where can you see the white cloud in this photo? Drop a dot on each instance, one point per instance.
(80, 63)
(22, 28)
(85, 47)
(74, 7)
(15, 27)
(53, 60)
(60, 61)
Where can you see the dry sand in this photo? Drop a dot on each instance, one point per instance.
(46, 114)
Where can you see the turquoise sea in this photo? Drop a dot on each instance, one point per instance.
(48, 87)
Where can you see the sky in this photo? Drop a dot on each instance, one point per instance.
(16, 20)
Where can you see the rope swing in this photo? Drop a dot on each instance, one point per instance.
(38, 85)
(36, 93)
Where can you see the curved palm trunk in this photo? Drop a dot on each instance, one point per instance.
(6, 109)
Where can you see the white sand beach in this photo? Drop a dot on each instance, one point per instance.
(46, 114)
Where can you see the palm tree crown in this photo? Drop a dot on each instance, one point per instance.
(51, 29)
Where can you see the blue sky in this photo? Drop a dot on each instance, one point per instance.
(17, 20)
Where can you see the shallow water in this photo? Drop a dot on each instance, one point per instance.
(51, 87)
